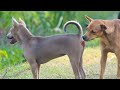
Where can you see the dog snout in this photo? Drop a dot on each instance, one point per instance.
(9, 36)
(84, 38)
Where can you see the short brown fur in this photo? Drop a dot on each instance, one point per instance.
(109, 33)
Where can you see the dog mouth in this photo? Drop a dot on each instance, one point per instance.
(88, 39)
(85, 38)
(91, 39)
(12, 40)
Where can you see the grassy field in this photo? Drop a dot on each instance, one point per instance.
(60, 68)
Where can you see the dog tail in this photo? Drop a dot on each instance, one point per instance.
(75, 23)
(119, 15)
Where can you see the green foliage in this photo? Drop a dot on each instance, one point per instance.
(10, 56)
(3, 53)
(3, 58)
(43, 23)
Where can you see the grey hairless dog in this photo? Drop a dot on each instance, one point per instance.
(39, 50)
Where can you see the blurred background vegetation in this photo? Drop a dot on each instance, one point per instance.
(43, 23)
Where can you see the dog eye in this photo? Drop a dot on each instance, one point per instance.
(93, 32)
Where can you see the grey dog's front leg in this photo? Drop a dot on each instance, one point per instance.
(34, 69)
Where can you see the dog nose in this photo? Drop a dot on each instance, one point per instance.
(83, 37)
(9, 37)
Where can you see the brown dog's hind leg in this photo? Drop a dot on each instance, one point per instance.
(103, 63)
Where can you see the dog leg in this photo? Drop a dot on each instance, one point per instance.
(38, 70)
(75, 70)
(118, 66)
(118, 69)
(34, 69)
(75, 67)
(81, 71)
(103, 63)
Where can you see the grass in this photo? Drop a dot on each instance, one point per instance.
(60, 68)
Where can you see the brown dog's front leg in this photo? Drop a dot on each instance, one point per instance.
(103, 63)
(118, 70)
(118, 66)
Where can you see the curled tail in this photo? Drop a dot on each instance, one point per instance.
(75, 23)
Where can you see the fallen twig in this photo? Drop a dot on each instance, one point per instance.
(18, 73)
(4, 74)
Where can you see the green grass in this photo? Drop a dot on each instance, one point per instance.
(60, 68)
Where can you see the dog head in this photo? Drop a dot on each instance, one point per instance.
(12, 35)
(96, 28)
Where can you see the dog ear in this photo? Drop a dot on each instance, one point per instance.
(88, 18)
(108, 30)
(22, 22)
(103, 27)
(14, 21)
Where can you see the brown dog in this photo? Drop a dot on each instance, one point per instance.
(39, 50)
(109, 33)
